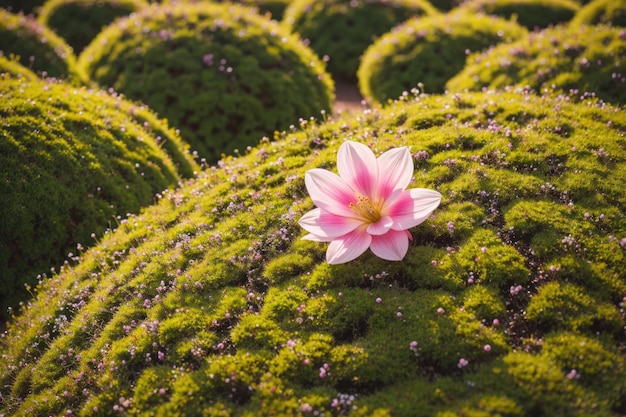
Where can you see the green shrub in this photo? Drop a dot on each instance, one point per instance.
(221, 74)
(429, 51)
(275, 8)
(13, 69)
(22, 6)
(608, 12)
(73, 162)
(531, 14)
(210, 303)
(37, 47)
(79, 21)
(577, 61)
(341, 31)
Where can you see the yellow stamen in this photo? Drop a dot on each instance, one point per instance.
(364, 208)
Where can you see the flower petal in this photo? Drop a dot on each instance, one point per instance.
(391, 246)
(348, 247)
(329, 192)
(327, 226)
(381, 227)
(395, 170)
(357, 165)
(412, 207)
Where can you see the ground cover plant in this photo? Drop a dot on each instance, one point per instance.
(341, 31)
(37, 47)
(79, 21)
(74, 163)
(428, 50)
(12, 68)
(509, 301)
(609, 12)
(222, 74)
(276, 8)
(529, 13)
(582, 60)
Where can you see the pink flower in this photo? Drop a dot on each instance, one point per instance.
(367, 204)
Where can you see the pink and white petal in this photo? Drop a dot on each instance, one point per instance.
(381, 227)
(314, 238)
(357, 165)
(329, 192)
(395, 170)
(327, 225)
(412, 207)
(391, 246)
(348, 247)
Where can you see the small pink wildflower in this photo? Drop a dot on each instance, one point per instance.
(366, 205)
(441, 310)
(487, 348)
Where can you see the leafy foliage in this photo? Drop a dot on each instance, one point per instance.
(208, 302)
(73, 162)
(579, 60)
(222, 74)
(37, 47)
(342, 30)
(79, 21)
(428, 50)
(532, 14)
(608, 12)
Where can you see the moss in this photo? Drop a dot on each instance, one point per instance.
(569, 307)
(585, 64)
(79, 21)
(342, 31)
(10, 68)
(209, 302)
(74, 162)
(244, 71)
(601, 12)
(269, 8)
(529, 13)
(427, 51)
(37, 47)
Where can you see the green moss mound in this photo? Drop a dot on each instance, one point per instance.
(429, 51)
(271, 8)
(530, 13)
(37, 47)
(610, 12)
(79, 21)
(209, 303)
(12, 68)
(341, 30)
(573, 60)
(22, 6)
(222, 74)
(74, 162)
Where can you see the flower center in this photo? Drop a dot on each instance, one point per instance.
(364, 208)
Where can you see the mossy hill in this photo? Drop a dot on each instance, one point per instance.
(222, 74)
(608, 12)
(37, 47)
(10, 68)
(74, 163)
(532, 14)
(79, 21)
(341, 30)
(510, 300)
(276, 8)
(429, 51)
(585, 60)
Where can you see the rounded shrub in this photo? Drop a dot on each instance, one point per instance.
(609, 12)
(222, 74)
(341, 31)
(529, 13)
(275, 8)
(210, 303)
(22, 6)
(580, 60)
(12, 68)
(37, 47)
(429, 51)
(74, 163)
(79, 21)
